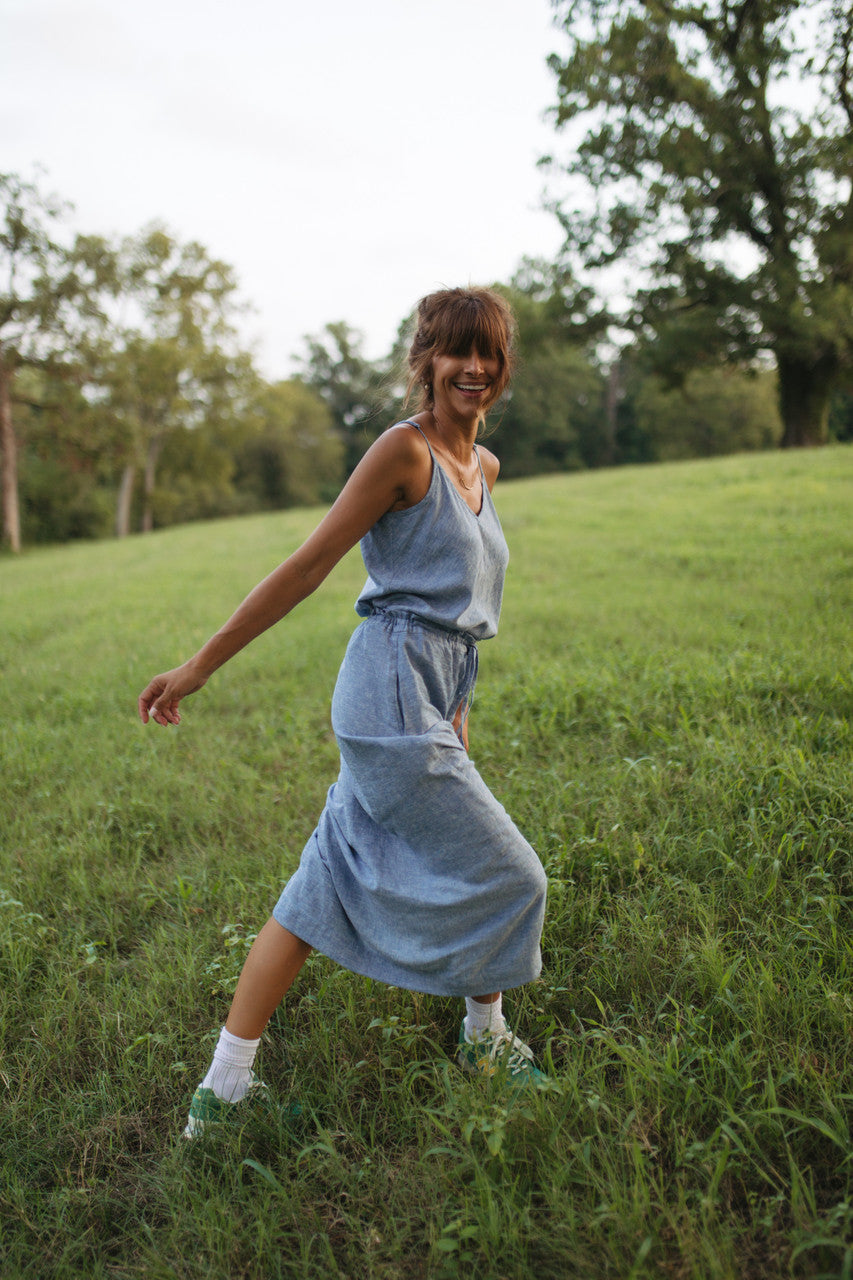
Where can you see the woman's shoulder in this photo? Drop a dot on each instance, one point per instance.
(400, 443)
(402, 454)
(403, 444)
(407, 434)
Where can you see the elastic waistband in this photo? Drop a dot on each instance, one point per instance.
(415, 619)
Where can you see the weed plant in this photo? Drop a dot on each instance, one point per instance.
(666, 714)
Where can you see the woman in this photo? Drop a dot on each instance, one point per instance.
(415, 875)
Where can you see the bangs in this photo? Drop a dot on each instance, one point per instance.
(468, 324)
(452, 322)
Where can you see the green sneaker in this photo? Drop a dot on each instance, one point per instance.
(207, 1111)
(500, 1053)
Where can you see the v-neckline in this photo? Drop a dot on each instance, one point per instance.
(476, 514)
(435, 463)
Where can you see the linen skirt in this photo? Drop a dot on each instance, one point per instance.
(415, 874)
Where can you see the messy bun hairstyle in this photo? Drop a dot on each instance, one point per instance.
(450, 323)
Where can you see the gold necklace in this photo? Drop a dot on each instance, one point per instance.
(468, 487)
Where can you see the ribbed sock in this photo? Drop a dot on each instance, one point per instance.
(230, 1071)
(480, 1017)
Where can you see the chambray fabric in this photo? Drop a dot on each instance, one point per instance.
(415, 875)
(438, 561)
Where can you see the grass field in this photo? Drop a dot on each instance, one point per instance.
(667, 715)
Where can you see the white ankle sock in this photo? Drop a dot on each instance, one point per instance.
(480, 1017)
(230, 1071)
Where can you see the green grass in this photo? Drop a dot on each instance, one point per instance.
(667, 714)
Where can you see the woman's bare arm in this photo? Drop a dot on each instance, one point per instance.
(394, 472)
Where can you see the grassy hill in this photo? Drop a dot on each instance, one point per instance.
(666, 714)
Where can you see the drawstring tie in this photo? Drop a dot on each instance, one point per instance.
(472, 665)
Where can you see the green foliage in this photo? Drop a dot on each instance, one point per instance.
(353, 387)
(51, 294)
(711, 174)
(59, 504)
(120, 363)
(667, 713)
(64, 460)
(52, 287)
(554, 415)
(155, 387)
(286, 450)
(565, 413)
(841, 416)
(173, 364)
(224, 969)
(554, 419)
(194, 477)
(714, 411)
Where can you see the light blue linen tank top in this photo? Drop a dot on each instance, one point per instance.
(438, 560)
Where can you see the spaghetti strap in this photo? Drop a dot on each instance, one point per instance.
(407, 422)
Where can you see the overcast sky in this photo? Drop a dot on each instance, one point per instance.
(345, 156)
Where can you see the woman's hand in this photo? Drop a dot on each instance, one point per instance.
(166, 691)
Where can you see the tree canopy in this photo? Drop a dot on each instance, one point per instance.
(171, 357)
(335, 366)
(50, 291)
(718, 155)
(120, 363)
(554, 418)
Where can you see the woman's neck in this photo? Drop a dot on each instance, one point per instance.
(457, 435)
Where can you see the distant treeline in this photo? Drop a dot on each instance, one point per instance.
(127, 402)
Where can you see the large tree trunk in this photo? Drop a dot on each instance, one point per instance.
(9, 463)
(805, 390)
(123, 502)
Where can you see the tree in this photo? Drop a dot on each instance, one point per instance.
(554, 417)
(48, 295)
(714, 411)
(286, 449)
(171, 360)
(62, 447)
(720, 152)
(350, 384)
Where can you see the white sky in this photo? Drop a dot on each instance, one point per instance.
(345, 156)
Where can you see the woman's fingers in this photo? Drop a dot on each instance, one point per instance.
(158, 703)
(159, 700)
(165, 715)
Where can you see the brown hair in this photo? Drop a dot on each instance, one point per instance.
(452, 322)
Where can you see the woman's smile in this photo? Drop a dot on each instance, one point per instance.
(464, 379)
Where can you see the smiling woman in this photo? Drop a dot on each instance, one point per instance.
(414, 875)
(458, 323)
(462, 357)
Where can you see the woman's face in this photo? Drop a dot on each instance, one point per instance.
(464, 385)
